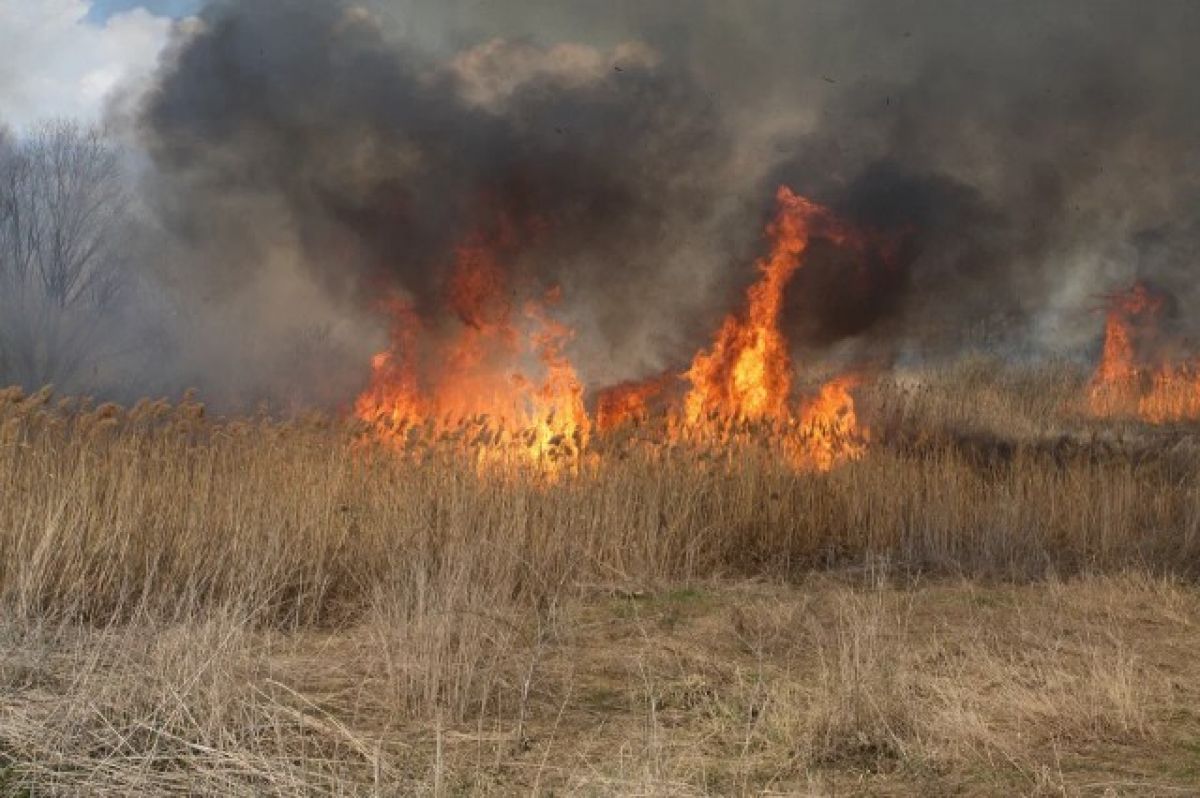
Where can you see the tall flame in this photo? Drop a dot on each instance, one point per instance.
(746, 376)
(501, 381)
(501, 375)
(1135, 378)
(747, 372)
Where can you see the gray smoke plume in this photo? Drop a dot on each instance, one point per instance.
(1032, 154)
(301, 131)
(310, 156)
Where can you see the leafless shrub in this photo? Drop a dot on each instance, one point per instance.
(62, 205)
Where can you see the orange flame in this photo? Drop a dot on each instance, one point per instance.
(747, 374)
(1134, 378)
(393, 398)
(558, 413)
(502, 384)
(628, 402)
(505, 379)
(1174, 395)
(829, 429)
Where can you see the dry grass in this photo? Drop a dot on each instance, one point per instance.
(997, 598)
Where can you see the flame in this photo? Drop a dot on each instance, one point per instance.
(499, 382)
(829, 429)
(1174, 395)
(628, 402)
(1116, 384)
(496, 381)
(746, 376)
(1134, 377)
(393, 398)
(559, 416)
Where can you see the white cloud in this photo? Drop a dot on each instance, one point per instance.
(56, 64)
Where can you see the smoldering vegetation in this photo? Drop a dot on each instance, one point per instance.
(294, 162)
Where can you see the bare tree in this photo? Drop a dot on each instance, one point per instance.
(62, 203)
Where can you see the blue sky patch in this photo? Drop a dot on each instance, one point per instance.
(103, 9)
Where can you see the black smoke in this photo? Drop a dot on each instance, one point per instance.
(304, 118)
(1014, 165)
(1031, 160)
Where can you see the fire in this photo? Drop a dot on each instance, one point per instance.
(499, 381)
(393, 399)
(559, 416)
(829, 428)
(628, 403)
(1116, 385)
(746, 376)
(497, 378)
(1174, 395)
(1135, 377)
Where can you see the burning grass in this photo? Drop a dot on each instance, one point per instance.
(254, 606)
(1142, 373)
(473, 380)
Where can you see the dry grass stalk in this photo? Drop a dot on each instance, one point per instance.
(282, 607)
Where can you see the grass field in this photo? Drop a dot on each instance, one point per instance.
(998, 598)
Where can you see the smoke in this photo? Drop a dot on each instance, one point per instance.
(301, 132)
(309, 157)
(1031, 159)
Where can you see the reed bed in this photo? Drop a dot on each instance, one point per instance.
(111, 513)
(257, 606)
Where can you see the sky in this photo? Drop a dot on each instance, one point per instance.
(63, 58)
(103, 9)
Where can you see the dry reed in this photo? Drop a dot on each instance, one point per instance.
(256, 606)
